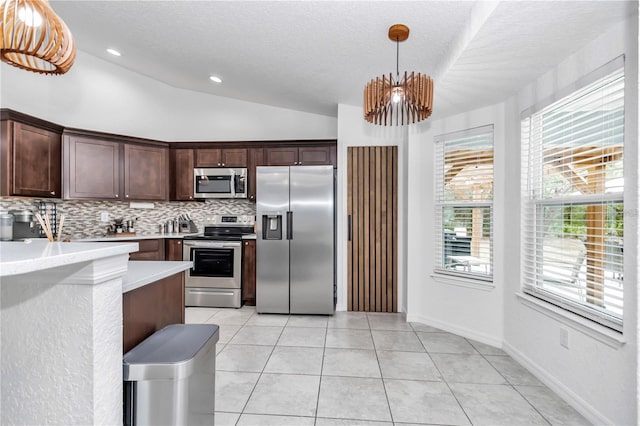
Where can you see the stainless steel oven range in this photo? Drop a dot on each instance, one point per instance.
(215, 280)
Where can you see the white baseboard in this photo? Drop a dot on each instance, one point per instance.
(461, 331)
(571, 398)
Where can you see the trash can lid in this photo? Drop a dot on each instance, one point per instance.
(167, 353)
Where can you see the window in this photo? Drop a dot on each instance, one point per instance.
(573, 200)
(464, 203)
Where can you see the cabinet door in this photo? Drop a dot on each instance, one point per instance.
(281, 156)
(209, 157)
(148, 250)
(315, 156)
(182, 176)
(36, 161)
(249, 272)
(234, 158)
(256, 158)
(173, 249)
(92, 168)
(145, 172)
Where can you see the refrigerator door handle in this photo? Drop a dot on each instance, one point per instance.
(289, 225)
(349, 226)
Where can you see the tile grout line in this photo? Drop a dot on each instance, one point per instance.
(507, 380)
(265, 366)
(324, 348)
(442, 376)
(384, 387)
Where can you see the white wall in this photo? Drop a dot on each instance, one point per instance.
(97, 95)
(353, 130)
(598, 378)
(455, 305)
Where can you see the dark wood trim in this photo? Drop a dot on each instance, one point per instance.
(113, 137)
(254, 144)
(8, 114)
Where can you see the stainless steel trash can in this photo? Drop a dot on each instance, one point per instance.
(169, 378)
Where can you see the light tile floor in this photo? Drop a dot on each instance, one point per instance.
(367, 369)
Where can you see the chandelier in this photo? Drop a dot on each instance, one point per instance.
(34, 38)
(396, 101)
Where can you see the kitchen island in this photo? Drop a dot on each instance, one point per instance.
(62, 329)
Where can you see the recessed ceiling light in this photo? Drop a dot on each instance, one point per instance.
(114, 52)
(215, 79)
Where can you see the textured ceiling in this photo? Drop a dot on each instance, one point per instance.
(312, 55)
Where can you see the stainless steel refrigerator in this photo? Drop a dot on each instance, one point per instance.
(295, 240)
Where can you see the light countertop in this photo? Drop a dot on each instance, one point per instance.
(116, 237)
(143, 272)
(20, 257)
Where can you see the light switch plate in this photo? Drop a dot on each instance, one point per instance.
(104, 216)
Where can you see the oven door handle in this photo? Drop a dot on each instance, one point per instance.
(212, 244)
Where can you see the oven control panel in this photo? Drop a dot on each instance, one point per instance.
(230, 220)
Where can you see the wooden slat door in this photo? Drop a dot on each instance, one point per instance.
(372, 206)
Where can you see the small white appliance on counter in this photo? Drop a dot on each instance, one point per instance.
(295, 240)
(215, 280)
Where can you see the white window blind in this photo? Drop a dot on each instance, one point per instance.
(573, 201)
(464, 203)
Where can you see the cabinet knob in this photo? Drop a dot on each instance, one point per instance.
(190, 197)
(179, 242)
(222, 164)
(116, 195)
(218, 164)
(246, 243)
(126, 196)
(52, 193)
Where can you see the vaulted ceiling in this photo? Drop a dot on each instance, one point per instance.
(312, 55)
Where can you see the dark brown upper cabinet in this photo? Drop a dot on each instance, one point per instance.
(182, 164)
(145, 172)
(301, 156)
(216, 157)
(256, 158)
(91, 168)
(31, 160)
(110, 170)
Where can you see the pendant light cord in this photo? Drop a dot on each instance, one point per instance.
(397, 60)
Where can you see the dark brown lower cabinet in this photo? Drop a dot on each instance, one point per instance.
(147, 309)
(148, 250)
(372, 247)
(173, 249)
(249, 272)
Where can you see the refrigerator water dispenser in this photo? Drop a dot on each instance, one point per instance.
(271, 226)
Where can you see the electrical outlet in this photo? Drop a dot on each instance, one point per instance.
(104, 216)
(564, 338)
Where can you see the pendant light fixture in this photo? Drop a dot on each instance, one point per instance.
(34, 38)
(396, 101)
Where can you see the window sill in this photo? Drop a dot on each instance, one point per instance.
(460, 281)
(587, 327)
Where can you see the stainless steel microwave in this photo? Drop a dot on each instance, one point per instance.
(220, 182)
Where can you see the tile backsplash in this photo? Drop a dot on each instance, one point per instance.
(82, 218)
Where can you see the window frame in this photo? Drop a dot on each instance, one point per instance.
(534, 201)
(439, 269)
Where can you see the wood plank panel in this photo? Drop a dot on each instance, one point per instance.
(361, 264)
(372, 250)
(366, 228)
(350, 245)
(383, 230)
(394, 213)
